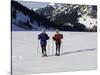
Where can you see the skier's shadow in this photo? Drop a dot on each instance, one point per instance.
(76, 51)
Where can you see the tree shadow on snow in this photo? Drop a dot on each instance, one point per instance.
(77, 51)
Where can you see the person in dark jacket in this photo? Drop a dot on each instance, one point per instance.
(57, 38)
(43, 37)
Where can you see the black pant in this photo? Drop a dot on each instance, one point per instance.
(58, 48)
(43, 49)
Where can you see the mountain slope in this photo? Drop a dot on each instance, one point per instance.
(71, 17)
(28, 19)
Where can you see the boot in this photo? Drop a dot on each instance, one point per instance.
(45, 53)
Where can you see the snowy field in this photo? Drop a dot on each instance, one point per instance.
(78, 52)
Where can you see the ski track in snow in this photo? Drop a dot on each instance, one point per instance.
(79, 53)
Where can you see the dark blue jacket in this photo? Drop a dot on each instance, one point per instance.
(43, 37)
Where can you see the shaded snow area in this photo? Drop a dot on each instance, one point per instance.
(78, 52)
(21, 19)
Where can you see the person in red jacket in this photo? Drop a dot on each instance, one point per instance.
(57, 38)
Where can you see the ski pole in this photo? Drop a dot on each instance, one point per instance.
(52, 47)
(48, 48)
(37, 47)
(62, 47)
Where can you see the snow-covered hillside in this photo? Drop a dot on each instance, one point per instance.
(79, 53)
(65, 17)
(24, 18)
(22, 22)
(85, 14)
(88, 21)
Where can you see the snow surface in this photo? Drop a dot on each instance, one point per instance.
(79, 53)
(89, 22)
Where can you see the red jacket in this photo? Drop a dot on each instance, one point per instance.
(57, 37)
